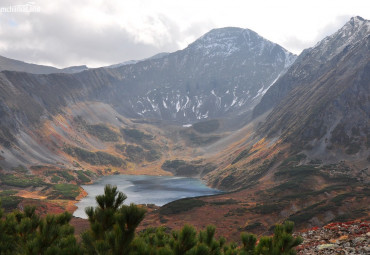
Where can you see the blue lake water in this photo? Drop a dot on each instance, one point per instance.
(145, 189)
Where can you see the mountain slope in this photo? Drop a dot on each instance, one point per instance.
(307, 160)
(323, 112)
(314, 62)
(132, 62)
(332, 107)
(224, 72)
(20, 66)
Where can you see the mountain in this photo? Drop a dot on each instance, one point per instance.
(20, 66)
(306, 155)
(328, 88)
(73, 69)
(131, 62)
(320, 108)
(310, 63)
(223, 73)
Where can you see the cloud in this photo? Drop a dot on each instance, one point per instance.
(332, 26)
(63, 37)
(296, 45)
(98, 33)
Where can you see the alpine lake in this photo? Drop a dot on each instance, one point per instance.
(145, 189)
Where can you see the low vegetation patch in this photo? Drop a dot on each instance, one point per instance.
(20, 169)
(21, 181)
(137, 154)
(224, 202)
(286, 186)
(304, 215)
(135, 135)
(68, 176)
(252, 226)
(240, 211)
(82, 177)
(243, 154)
(55, 179)
(195, 139)
(95, 158)
(293, 160)
(184, 168)
(207, 126)
(65, 175)
(102, 132)
(301, 171)
(8, 200)
(181, 205)
(65, 191)
(173, 164)
(269, 208)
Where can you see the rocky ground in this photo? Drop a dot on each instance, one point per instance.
(337, 238)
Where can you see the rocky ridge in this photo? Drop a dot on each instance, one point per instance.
(20, 66)
(316, 61)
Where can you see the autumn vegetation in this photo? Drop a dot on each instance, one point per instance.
(113, 231)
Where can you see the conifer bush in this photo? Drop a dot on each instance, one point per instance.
(112, 232)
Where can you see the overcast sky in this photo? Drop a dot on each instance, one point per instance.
(97, 33)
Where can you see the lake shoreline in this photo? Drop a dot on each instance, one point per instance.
(145, 189)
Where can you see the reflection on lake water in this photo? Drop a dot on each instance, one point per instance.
(145, 189)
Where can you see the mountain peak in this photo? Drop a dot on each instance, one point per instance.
(226, 41)
(227, 34)
(309, 64)
(355, 30)
(356, 23)
(357, 19)
(227, 38)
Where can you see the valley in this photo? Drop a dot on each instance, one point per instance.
(284, 137)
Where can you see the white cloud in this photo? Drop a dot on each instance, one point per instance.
(96, 32)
